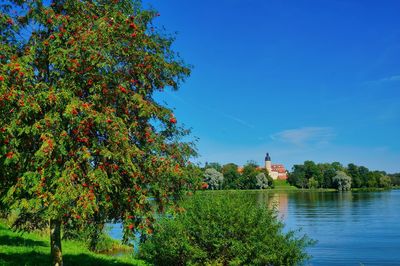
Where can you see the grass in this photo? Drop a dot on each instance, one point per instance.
(33, 249)
(283, 185)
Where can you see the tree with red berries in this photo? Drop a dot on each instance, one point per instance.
(82, 140)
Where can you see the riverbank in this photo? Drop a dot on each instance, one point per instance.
(283, 185)
(371, 189)
(33, 249)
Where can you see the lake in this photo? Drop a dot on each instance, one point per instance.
(352, 228)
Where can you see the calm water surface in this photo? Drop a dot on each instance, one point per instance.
(352, 228)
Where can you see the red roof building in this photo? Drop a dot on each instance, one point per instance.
(276, 171)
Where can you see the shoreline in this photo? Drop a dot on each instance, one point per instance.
(284, 189)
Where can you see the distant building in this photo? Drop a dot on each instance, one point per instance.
(276, 171)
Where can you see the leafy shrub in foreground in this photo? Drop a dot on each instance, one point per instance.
(223, 230)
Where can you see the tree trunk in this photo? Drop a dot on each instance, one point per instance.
(96, 233)
(55, 242)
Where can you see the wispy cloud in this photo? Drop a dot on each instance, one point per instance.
(237, 120)
(391, 78)
(388, 79)
(305, 136)
(212, 110)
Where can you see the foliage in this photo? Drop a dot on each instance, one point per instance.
(261, 181)
(224, 229)
(395, 179)
(297, 176)
(213, 178)
(214, 165)
(313, 183)
(95, 236)
(231, 175)
(311, 175)
(356, 179)
(248, 177)
(342, 181)
(82, 138)
(251, 176)
(385, 181)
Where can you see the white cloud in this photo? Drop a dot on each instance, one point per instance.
(305, 136)
(212, 111)
(391, 78)
(381, 81)
(238, 120)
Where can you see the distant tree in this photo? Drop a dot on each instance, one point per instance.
(385, 181)
(352, 171)
(213, 178)
(231, 175)
(373, 178)
(313, 183)
(215, 165)
(338, 166)
(395, 179)
(261, 181)
(248, 177)
(322, 175)
(298, 176)
(342, 181)
(312, 170)
(363, 171)
(328, 172)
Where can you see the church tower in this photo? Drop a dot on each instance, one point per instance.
(268, 163)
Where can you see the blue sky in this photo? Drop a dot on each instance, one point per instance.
(301, 79)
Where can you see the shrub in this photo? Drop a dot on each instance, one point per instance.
(342, 181)
(214, 178)
(385, 181)
(224, 229)
(262, 181)
(312, 183)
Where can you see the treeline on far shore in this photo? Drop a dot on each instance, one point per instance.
(309, 175)
(335, 175)
(231, 176)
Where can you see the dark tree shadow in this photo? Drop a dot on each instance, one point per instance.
(38, 259)
(28, 258)
(20, 241)
(85, 259)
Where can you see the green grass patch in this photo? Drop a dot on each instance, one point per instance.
(33, 249)
(283, 185)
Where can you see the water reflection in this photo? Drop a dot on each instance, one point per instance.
(352, 228)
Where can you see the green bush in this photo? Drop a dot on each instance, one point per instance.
(225, 229)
